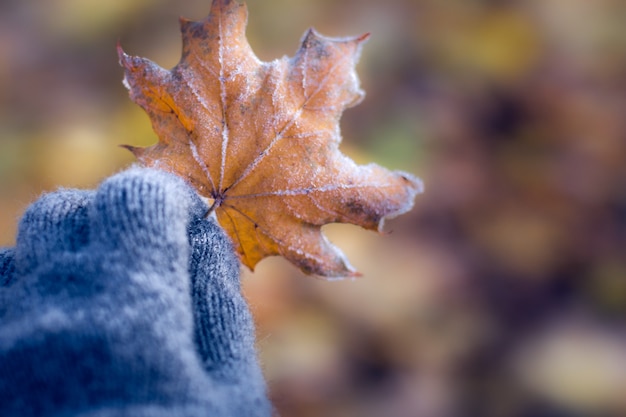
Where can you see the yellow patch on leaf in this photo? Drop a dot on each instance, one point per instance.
(261, 139)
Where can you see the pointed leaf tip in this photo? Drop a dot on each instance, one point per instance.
(137, 151)
(121, 55)
(352, 275)
(363, 38)
(414, 182)
(184, 23)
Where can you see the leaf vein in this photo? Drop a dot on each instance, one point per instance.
(305, 191)
(281, 243)
(288, 125)
(200, 161)
(222, 81)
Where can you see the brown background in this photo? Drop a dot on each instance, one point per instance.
(503, 293)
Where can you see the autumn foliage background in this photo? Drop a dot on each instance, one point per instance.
(503, 293)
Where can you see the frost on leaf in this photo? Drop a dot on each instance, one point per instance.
(261, 139)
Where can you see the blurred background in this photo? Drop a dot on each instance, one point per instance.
(503, 293)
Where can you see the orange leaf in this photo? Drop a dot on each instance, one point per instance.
(261, 139)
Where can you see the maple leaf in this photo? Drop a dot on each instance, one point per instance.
(261, 139)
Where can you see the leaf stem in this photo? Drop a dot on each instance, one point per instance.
(217, 201)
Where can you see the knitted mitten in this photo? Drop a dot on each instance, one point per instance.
(125, 301)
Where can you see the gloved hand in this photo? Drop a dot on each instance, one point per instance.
(125, 301)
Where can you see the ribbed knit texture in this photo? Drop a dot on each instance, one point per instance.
(125, 302)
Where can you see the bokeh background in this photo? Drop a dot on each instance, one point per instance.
(503, 293)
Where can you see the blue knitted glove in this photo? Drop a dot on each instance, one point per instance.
(125, 302)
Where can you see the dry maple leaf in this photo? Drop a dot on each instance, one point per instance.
(261, 140)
